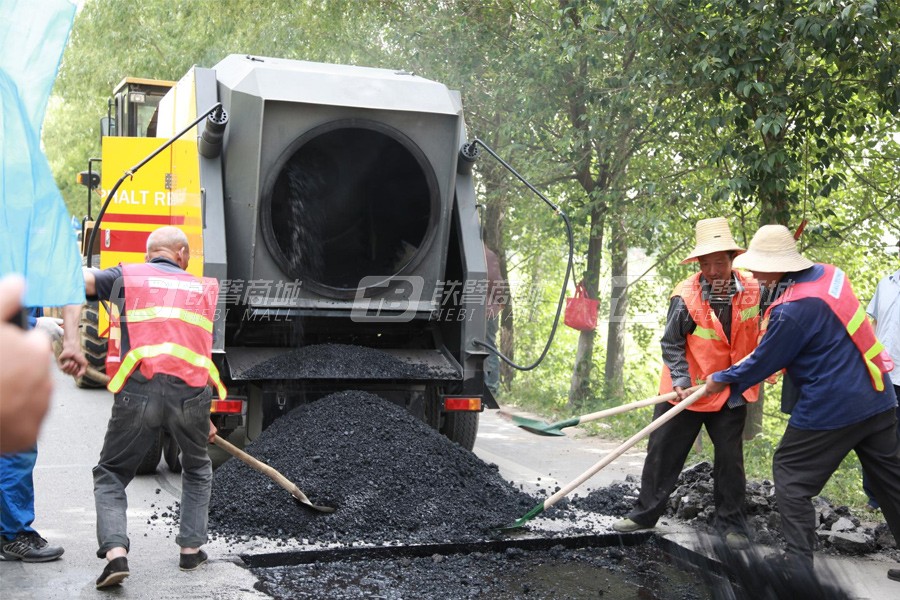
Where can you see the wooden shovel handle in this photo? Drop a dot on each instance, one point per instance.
(257, 464)
(653, 426)
(633, 405)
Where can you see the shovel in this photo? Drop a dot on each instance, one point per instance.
(260, 466)
(654, 425)
(270, 472)
(542, 428)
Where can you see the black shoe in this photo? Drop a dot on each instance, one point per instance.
(28, 546)
(894, 574)
(116, 570)
(189, 562)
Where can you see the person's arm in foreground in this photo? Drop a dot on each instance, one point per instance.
(25, 380)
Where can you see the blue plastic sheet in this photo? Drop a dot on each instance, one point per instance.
(36, 238)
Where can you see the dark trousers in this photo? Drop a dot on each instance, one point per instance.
(669, 447)
(806, 459)
(139, 411)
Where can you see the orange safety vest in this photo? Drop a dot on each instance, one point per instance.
(176, 308)
(834, 289)
(708, 349)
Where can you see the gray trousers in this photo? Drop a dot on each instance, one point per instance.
(806, 459)
(139, 411)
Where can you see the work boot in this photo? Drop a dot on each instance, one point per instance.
(114, 573)
(629, 526)
(189, 562)
(28, 546)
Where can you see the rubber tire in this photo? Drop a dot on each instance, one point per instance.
(93, 345)
(151, 459)
(462, 428)
(171, 453)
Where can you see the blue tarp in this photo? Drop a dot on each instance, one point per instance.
(35, 229)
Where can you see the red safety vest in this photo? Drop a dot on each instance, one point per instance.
(834, 289)
(708, 349)
(170, 323)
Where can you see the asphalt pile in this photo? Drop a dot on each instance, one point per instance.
(839, 530)
(338, 361)
(391, 477)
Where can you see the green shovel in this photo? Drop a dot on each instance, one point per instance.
(669, 415)
(542, 428)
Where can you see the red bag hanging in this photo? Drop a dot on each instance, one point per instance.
(581, 311)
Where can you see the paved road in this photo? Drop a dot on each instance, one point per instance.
(70, 444)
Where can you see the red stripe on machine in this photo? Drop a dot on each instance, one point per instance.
(127, 241)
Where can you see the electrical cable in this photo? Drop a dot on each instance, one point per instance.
(468, 153)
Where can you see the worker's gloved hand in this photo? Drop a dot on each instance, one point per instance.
(50, 326)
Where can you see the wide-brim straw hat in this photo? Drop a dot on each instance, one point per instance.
(773, 250)
(713, 235)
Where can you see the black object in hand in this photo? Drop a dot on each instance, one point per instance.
(20, 319)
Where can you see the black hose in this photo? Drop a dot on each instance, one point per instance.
(130, 173)
(470, 150)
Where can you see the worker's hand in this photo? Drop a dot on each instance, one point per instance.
(72, 360)
(25, 380)
(51, 326)
(714, 387)
(683, 393)
(212, 431)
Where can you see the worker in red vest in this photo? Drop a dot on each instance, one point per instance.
(713, 322)
(160, 363)
(816, 328)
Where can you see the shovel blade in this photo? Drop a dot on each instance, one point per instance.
(521, 521)
(546, 430)
(300, 498)
(529, 422)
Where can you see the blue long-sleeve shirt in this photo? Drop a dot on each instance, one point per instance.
(833, 385)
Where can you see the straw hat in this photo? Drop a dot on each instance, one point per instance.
(773, 250)
(713, 235)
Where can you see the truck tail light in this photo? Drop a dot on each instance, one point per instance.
(227, 406)
(468, 403)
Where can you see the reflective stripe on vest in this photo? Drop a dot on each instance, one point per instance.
(169, 312)
(834, 289)
(707, 333)
(165, 349)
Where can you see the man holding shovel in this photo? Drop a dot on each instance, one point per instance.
(816, 328)
(159, 363)
(713, 322)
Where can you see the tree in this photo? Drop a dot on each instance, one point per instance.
(784, 85)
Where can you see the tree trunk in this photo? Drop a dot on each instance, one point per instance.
(579, 390)
(492, 229)
(618, 311)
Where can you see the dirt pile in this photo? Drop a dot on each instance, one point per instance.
(390, 476)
